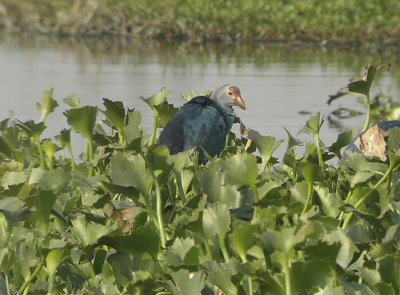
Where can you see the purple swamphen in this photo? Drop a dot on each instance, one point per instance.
(203, 123)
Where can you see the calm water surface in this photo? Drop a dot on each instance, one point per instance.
(277, 83)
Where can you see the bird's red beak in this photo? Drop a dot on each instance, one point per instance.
(238, 101)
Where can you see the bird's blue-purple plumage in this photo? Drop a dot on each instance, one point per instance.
(202, 123)
(384, 125)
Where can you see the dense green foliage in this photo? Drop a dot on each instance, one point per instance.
(131, 219)
(316, 21)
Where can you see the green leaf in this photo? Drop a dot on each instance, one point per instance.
(292, 141)
(266, 145)
(131, 171)
(115, 112)
(243, 236)
(318, 274)
(43, 203)
(165, 113)
(212, 181)
(73, 100)
(241, 169)
(65, 137)
(330, 203)
(156, 98)
(363, 85)
(176, 253)
(82, 120)
(141, 240)
(216, 220)
(49, 104)
(342, 140)
(328, 290)
(313, 125)
(88, 232)
(188, 283)
(52, 179)
(55, 258)
(13, 178)
(389, 269)
(220, 277)
(31, 128)
(132, 129)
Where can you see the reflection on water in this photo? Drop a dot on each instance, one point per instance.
(277, 82)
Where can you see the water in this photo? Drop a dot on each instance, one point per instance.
(278, 84)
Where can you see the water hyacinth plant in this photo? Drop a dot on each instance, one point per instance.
(128, 218)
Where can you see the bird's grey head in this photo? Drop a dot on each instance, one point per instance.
(228, 95)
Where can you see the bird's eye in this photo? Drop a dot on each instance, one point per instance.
(230, 93)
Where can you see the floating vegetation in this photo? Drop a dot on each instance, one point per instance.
(128, 218)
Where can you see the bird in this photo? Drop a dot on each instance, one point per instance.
(203, 123)
(372, 142)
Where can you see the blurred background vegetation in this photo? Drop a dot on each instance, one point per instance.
(342, 22)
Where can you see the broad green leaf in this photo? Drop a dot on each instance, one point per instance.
(311, 172)
(88, 232)
(122, 268)
(131, 170)
(82, 120)
(13, 178)
(55, 258)
(165, 113)
(115, 112)
(212, 181)
(12, 207)
(292, 141)
(141, 240)
(328, 290)
(49, 147)
(317, 272)
(363, 85)
(266, 145)
(31, 128)
(43, 203)
(243, 236)
(73, 100)
(220, 277)
(53, 179)
(176, 253)
(188, 283)
(216, 220)
(65, 137)
(49, 104)
(241, 169)
(282, 240)
(313, 125)
(342, 140)
(389, 268)
(156, 98)
(132, 129)
(330, 203)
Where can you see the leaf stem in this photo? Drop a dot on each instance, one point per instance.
(286, 270)
(208, 250)
(153, 135)
(33, 275)
(90, 155)
(40, 151)
(222, 246)
(361, 201)
(68, 145)
(368, 119)
(256, 200)
(319, 152)
(159, 212)
(308, 200)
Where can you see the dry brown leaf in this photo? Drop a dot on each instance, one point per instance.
(373, 142)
